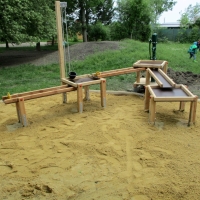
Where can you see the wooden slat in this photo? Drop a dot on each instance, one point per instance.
(155, 78)
(167, 78)
(39, 95)
(171, 99)
(34, 92)
(186, 91)
(119, 72)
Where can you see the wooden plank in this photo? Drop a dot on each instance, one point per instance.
(155, 78)
(60, 39)
(39, 95)
(167, 78)
(69, 82)
(91, 82)
(186, 91)
(119, 72)
(34, 92)
(103, 92)
(151, 91)
(173, 99)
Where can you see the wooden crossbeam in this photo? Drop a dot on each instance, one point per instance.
(38, 94)
(119, 72)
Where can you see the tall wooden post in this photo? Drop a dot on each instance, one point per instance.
(60, 40)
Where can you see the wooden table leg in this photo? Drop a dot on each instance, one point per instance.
(87, 93)
(152, 111)
(147, 99)
(22, 111)
(103, 92)
(80, 98)
(182, 106)
(192, 114)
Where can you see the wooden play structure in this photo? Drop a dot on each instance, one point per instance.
(163, 89)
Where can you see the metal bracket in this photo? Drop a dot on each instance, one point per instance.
(63, 4)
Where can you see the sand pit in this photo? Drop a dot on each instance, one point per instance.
(107, 153)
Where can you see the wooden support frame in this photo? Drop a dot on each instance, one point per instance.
(151, 99)
(161, 64)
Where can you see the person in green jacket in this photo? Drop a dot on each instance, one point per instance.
(192, 51)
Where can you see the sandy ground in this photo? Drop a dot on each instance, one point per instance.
(107, 153)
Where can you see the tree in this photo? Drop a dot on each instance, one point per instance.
(191, 16)
(135, 16)
(157, 7)
(89, 11)
(24, 20)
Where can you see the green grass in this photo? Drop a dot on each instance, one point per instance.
(27, 77)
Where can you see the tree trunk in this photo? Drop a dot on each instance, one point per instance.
(53, 41)
(83, 22)
(38, 46)
(7, 45)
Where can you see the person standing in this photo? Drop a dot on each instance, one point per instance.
(192, 51)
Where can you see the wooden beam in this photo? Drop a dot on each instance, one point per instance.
(186, 91)
(155, 78)
(119, 72)
(167, 78)
(34, 92)
(40, 94)
(60, 39)
(173, 99)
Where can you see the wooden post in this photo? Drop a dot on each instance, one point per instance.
(182, 106)
(152, 111)
(147, 99)
(60, 45)
(147, 78)
(22, 111)
(18, 112)
(87, 93)
(138, 77)
(80, 98)
(165, 67)
(103, 92)
(60, 39)
(192, 114)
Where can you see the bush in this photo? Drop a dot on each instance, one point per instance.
(98, 32)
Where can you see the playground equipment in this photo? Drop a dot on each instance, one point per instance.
(163, 89)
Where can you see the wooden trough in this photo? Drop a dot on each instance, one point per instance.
(179, 93)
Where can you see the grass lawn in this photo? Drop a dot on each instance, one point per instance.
(27, 77)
